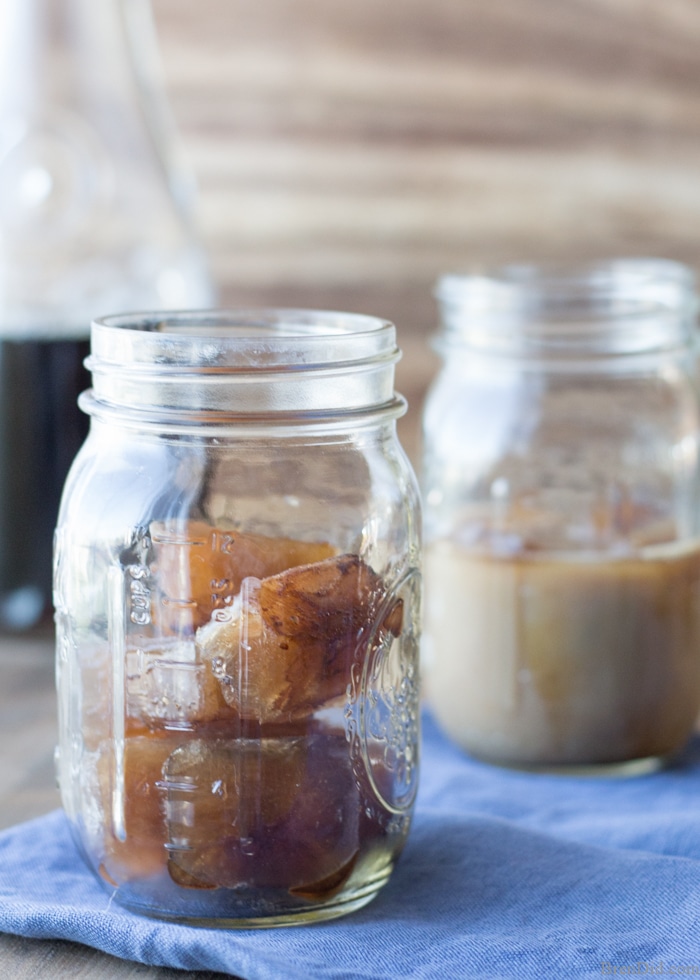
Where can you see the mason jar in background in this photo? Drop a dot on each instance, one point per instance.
(562, 515)
(237, 594)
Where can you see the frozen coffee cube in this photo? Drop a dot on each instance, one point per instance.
(322, 833)
(167, 687)
(288, 645)
(328, 613)
(332, 600)
(200, 568)
(188, 560)
(248, 660)
(272, 813)
(132, 803)
(223, 800)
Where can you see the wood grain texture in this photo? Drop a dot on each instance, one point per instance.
(349, 153)
(28, 730)
(29, 959)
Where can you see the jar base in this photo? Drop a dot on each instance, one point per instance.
(600, 770)
(344, 904)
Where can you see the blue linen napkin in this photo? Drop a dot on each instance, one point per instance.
(505, 875)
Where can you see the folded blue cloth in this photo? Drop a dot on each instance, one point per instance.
(505, 875)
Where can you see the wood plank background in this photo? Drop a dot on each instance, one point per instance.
(348, 153)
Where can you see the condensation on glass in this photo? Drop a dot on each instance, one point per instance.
(560, 475)
(237, 589)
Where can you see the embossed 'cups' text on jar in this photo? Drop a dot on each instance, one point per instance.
(562, 516)
(237, 593)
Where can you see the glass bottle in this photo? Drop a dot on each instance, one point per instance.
(237, 594)
(93, 219)
(562, 521)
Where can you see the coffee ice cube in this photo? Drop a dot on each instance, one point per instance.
(200, 568)
(223, 799)
(168, 687)
(134, 828)
(288, 643)
(279, 813)
(322, 833)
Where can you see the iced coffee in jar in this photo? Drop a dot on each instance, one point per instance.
(562, 516)
(237, 594)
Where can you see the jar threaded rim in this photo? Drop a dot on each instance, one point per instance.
(218, 365)
(607, 308)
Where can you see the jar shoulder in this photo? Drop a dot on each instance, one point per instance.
(507, 408)
(355, 492)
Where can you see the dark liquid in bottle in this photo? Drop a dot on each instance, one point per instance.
(41, 430)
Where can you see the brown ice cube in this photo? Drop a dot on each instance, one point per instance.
(223, 799)
(135, 831)
(322, 834)
(248, 660)
(167, 687)
(335, 602)
(288, 647)
(200, 568)
(278, 813)
(331, 600)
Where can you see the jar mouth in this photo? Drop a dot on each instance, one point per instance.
(610, 307)
(245, 340)
(224, 364)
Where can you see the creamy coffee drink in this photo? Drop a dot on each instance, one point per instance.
(544, 660)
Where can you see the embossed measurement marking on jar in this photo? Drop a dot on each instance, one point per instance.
(165, 684)
(192, 567)
(139, 595)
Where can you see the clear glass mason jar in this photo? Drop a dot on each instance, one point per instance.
(237, 594)
(562, 515)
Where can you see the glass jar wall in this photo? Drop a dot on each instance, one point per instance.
(562, 515)
(237, 594)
